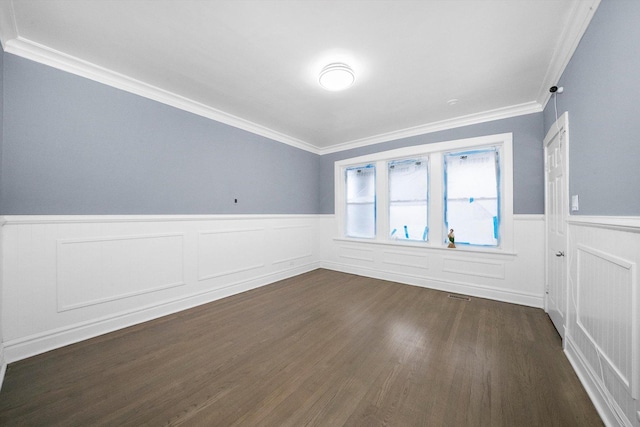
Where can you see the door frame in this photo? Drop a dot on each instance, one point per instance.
(561, 123)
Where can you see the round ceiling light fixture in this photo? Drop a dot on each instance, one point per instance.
(336, 76)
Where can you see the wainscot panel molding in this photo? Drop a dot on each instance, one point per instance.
(298, 241)
(215, 259)
(516, 277)
(94, 271)
(603, 316)
(70, 278)
(3, 361)
(3, 365)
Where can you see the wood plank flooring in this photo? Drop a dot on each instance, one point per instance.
(324, 348)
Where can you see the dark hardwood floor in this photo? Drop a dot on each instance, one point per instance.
(324, 348)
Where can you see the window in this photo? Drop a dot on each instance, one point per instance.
(361, 201)
(472, 196)
(408, 199)
(414, 195)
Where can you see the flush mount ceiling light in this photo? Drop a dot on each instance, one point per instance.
(336, 76)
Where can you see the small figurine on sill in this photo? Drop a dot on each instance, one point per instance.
(452, 239)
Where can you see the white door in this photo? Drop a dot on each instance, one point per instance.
(556, 148)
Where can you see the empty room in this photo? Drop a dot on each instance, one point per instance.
(322, 212)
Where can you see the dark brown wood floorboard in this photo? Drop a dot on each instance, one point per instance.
(324, 348)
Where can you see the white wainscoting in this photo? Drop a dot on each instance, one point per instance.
(516, 277)
(69, 278)
(228, 252)
(97, 270)
(603, 319)
(3, 361)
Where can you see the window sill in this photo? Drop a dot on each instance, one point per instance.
(428, 246)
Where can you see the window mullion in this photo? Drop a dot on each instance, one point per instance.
(436, 199)
(406, 205)
(382, 201)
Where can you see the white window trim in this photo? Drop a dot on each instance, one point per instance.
(437, 233)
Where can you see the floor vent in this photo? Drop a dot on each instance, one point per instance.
(460, 297)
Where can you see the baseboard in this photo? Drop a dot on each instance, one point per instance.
(3, 366)
(592, 386)
(479, 291)
(23, 348)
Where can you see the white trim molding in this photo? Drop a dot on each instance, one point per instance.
(277, 247)
(593, 386)
(45, 55)
(121, 266)
(111, 219)
(36, 52)
(577, 22)
(3, 362)
(503, 143)
(515, 277)
(629, 224)
(3, 365)
(15, 43)
(471, 119)
(215, 258)
(293, 244)
(603, 316)
(70, 278)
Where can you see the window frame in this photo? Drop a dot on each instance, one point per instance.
(346, 202)
(434, 152)
(446, 199)
(393, 162)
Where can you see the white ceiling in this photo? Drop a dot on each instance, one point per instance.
(254, 63)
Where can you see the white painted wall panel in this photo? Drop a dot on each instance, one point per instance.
(405, 259)
(293, 243)
(226, 252)
(96, 270)
(476, 267)
(352, 253)
(68, 278)
(514, 276)
(3, 362)
(603, 323)
(604, 285)
(398, 261)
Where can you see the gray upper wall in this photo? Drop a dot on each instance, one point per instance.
(528, 161)
(601, 93)
(74, 146)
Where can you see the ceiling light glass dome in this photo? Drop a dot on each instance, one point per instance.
(336, 76)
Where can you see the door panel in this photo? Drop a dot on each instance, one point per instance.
(556, 210)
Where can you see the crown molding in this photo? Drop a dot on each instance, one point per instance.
(579, 19)
(45, 55)
(471, 119)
